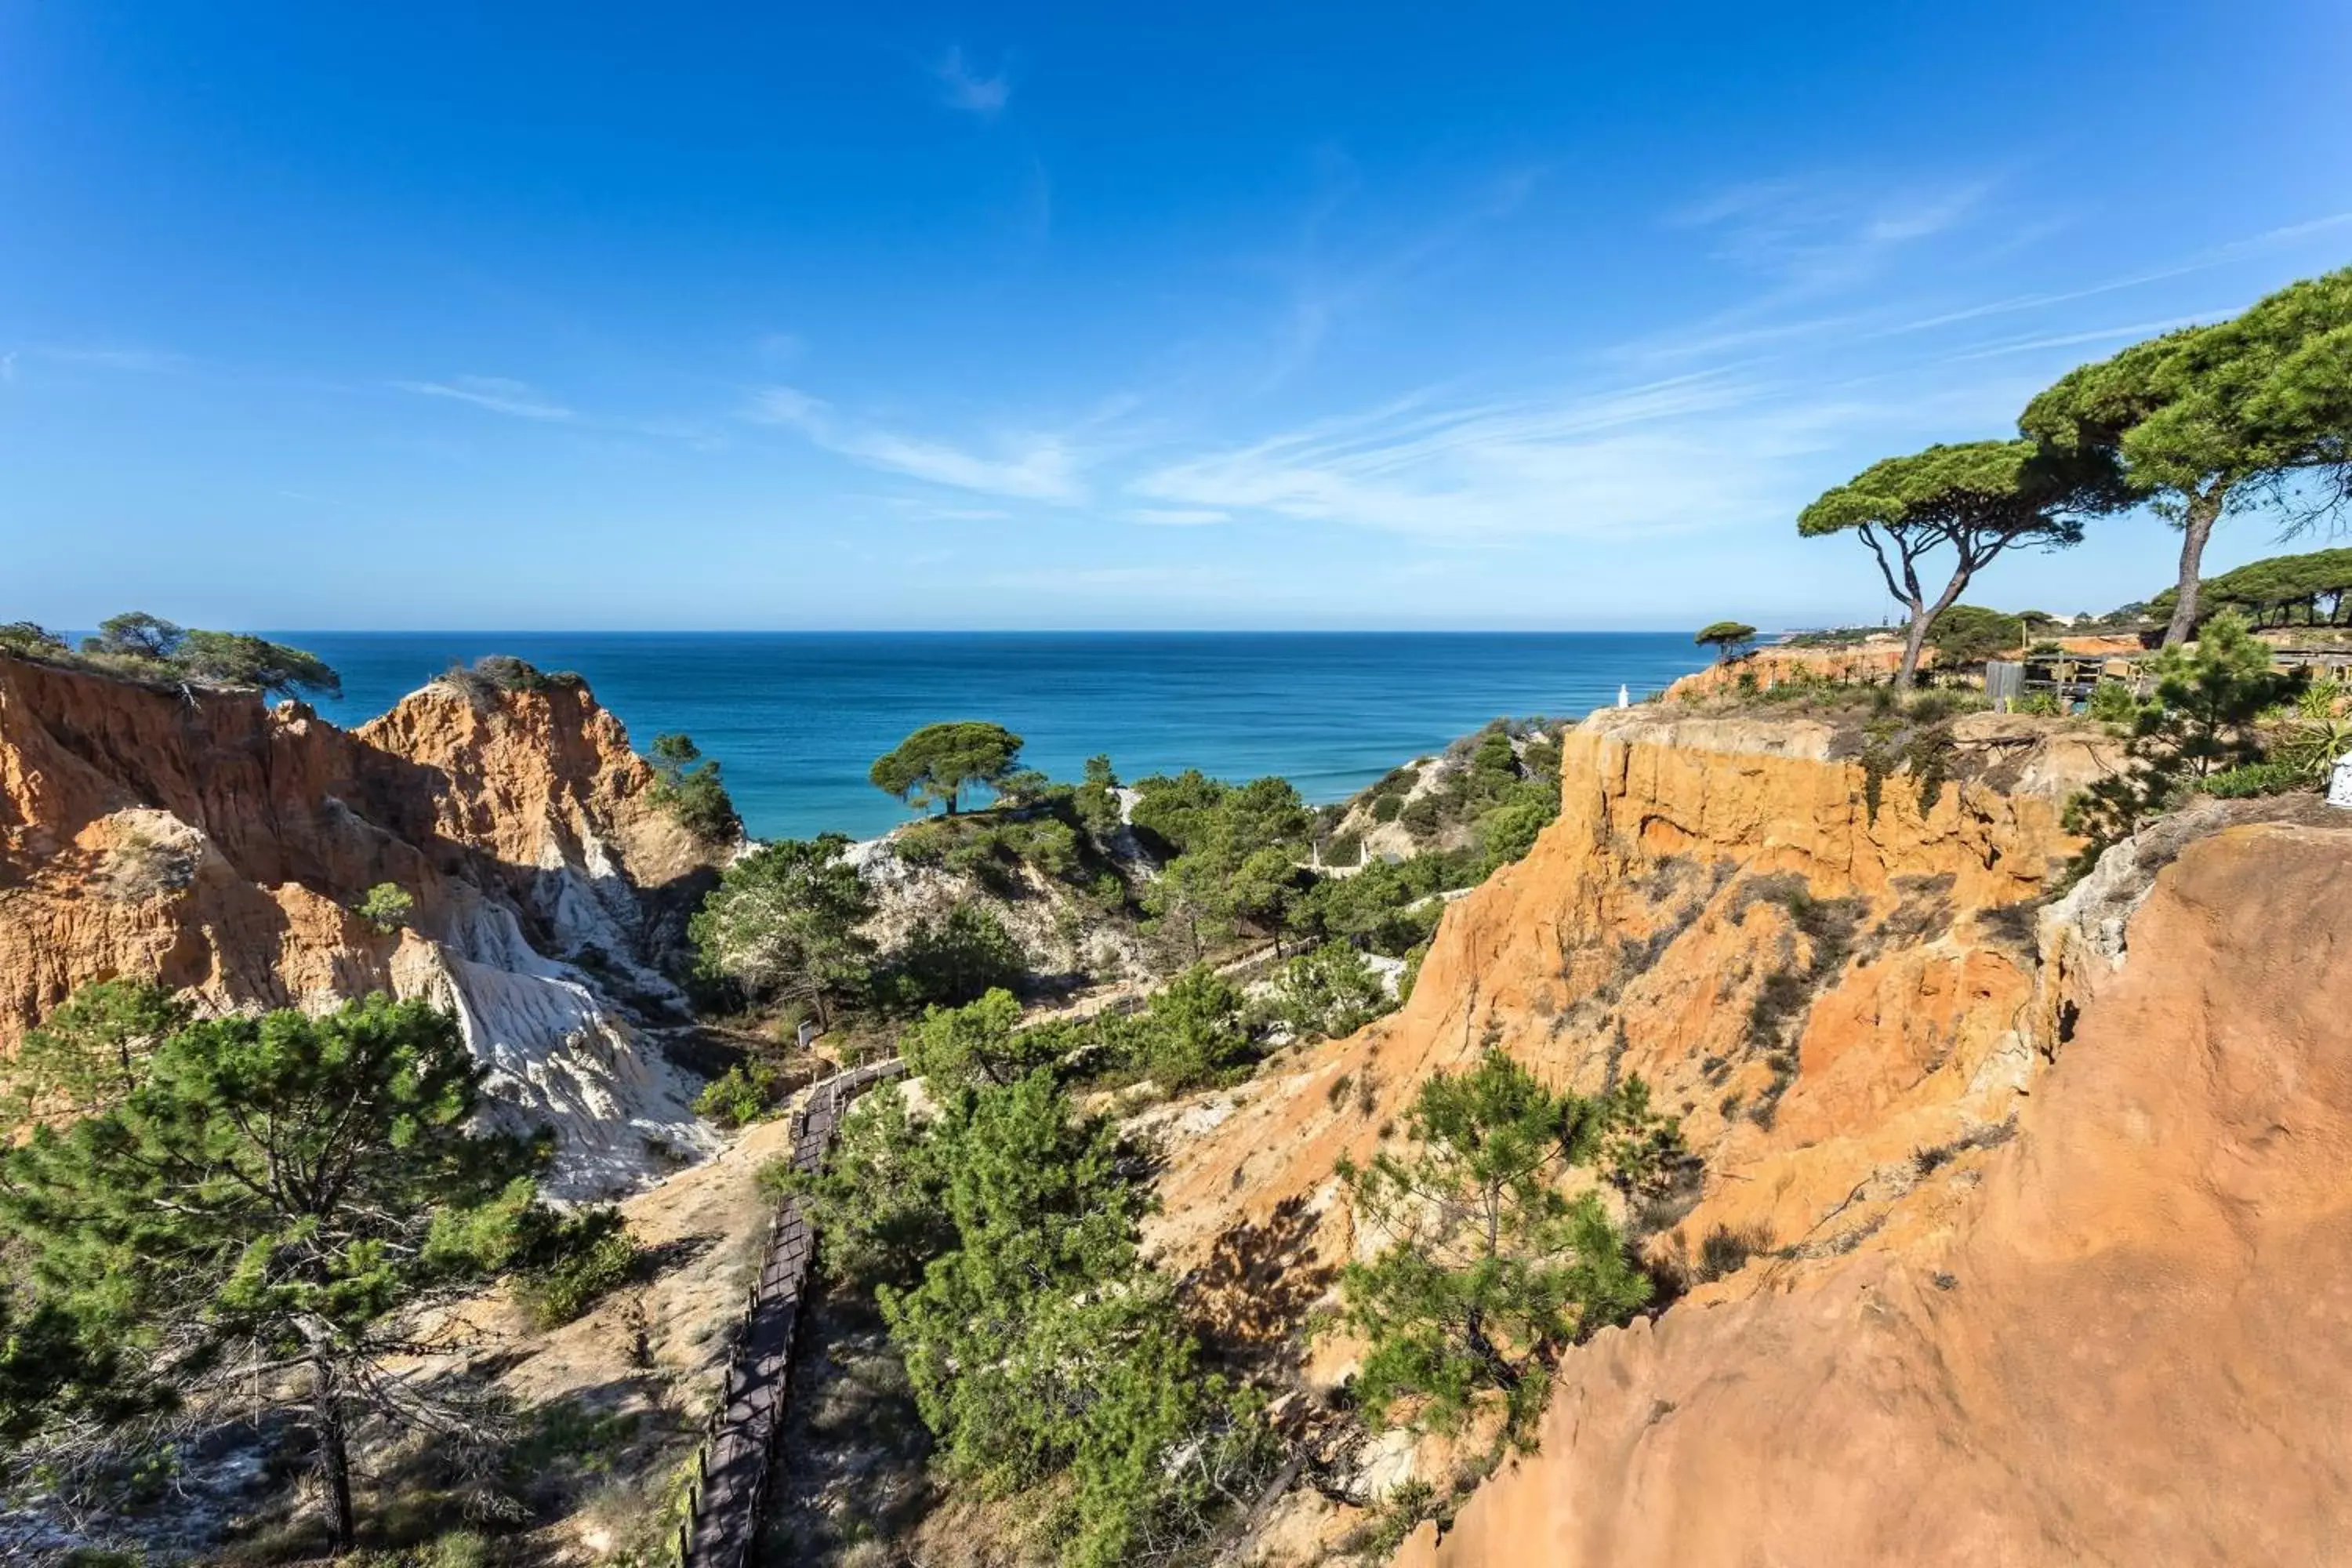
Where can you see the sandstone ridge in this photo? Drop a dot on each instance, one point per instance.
(217, 845)
(1976, 1165)
(2119, 1341)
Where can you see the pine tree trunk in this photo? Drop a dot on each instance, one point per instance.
(2196, 528)
(334, 1459)
(1907, 675)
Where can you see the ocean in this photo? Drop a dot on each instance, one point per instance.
(797, 718)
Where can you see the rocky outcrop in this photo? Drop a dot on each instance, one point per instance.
(1818, 989)
(2114, 1339)
(1833, 996)
(1871, 660)
(2018, 1233)
(219, 844)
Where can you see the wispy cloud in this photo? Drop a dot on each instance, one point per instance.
(1814, 236)
(2203, 261)
(115, 358)
(497, 394)
(1686, 453)
(2069, 339)
(1322, 293)
(1176, 516)
(915, 509)
(1028, 466)
(968, 89)
(1819, 247)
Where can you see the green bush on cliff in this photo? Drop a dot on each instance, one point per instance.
(140, 646)
(980, 1042)
(783, 924)
(1191, 1032)
(742, 1095)
(387, 907)
(688, 786)
(1490, 1268)
(27, 640)
(593, 1255)
(1970, 634)
(92, 1053)
(2202, 721)
(1327, 993)
(878, 1201)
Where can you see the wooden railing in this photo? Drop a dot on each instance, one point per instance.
(734, 1466)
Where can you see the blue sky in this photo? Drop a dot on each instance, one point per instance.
(598, 315)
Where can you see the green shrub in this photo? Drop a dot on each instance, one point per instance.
(457, 1549)
(1424, 815)
(1508, 832)
(28, 640)
(2316, 730)
(1388, 807)
(688, 786)
(925, 843)
(879, 1202)
(1492, 1269)
(2255, 778)
(955, 958)
(1969, 634)
(742, 1095)
(593, 1254)
(1095, 800)
(1343, 849)
(1191, 1031)
(2204, 719)
(1043, 1355)
(387, 907)
(1327, 993)
(2111, 702)
(784, 922)
(982, 1040)
(1394, 1516)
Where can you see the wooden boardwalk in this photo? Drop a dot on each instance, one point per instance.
(728, 1503)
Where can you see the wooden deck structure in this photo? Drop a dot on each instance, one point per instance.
(727, 1504)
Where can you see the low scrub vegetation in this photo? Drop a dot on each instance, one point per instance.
(1236, 864)
(2205, 724)
(1049, 1360)
(1491, 1267)
(139, 647)
(687, 784)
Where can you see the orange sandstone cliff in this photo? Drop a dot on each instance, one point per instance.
(2020, 1232)
(217, 845)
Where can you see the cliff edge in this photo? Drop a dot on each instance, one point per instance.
(2010, 1234)
(218, 845)
(2114, 1339)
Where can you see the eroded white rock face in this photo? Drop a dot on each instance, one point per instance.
(590, 908)
(559, 1055)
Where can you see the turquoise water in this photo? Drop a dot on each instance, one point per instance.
(796, 718)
